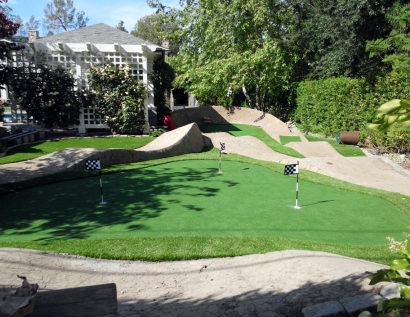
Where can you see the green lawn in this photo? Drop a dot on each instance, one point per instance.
(250, 130)
(31, 151)
(180, 208)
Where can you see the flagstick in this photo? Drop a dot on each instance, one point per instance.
(297, 188)
(101, 188)
(220, 160)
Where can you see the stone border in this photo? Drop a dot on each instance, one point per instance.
(351, 306)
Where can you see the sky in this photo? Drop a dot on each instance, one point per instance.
(110, 12)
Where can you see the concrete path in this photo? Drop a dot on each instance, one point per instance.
(277, 284)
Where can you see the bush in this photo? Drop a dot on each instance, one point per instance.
(344, 104)
(119, 97)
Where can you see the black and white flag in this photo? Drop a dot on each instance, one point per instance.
(291, 169)
(229, 93)
(93, 164)
(222, 146)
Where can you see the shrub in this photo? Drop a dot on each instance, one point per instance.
(119, 97)
(344, 104)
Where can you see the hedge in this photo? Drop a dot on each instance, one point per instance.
(345, 104)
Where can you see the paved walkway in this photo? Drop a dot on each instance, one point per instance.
(277, 284)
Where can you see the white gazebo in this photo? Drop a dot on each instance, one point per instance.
(77, 50)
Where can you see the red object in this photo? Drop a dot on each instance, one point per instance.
(168, 122)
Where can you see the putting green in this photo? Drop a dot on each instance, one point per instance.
(190, 198)
(287, 139)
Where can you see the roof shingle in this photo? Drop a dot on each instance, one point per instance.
(97, 34)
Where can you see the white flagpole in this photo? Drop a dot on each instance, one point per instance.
(297, 187)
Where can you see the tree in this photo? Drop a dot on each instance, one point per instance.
(120, 26)
(22, 30)
(154, 28)
(231, 43)
(32, 24)
(60, 16)
(118, 96)
(330, 36)
(395, 48)
(7, 30)
(47, 94)
(7, 26)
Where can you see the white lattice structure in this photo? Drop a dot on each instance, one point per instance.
(78, 50)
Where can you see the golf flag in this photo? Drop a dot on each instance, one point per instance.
(96, 165)
(291, 169)
(294, 169)
(229, 93)
(222, 146)
(93, 164)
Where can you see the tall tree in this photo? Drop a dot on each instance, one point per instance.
(32, 24)
(331, 35)
(120, 26)
(60, 15)
(395, 48)
(22, 30)
(154, 28)
(7, 26)
(7, 30)
(47, 94)
(232, 43)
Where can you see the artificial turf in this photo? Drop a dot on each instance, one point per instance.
(284, 139)
(188, 198)
(33, 150)
(250, 130)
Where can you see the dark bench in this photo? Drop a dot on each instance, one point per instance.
(95, 300)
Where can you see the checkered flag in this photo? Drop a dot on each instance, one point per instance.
(291, 169)
(222, 146)
(93, 164)
(229, 93)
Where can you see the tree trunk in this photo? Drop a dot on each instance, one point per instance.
(257, 101)
(248, 99)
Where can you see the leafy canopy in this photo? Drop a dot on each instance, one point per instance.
(231, 43)
(395, 48)
(330, 36)
(60, 15)
(47, 94)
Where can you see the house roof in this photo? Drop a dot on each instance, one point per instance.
(96, 34)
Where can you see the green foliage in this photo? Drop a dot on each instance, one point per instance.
(330, 36)
(394, 305)
(47, 94)
(157, 133)
(395, 48)
(161, 77)
(236, 44)
(342, 104)
(328, 106)
(153, 28)
(118, 96)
